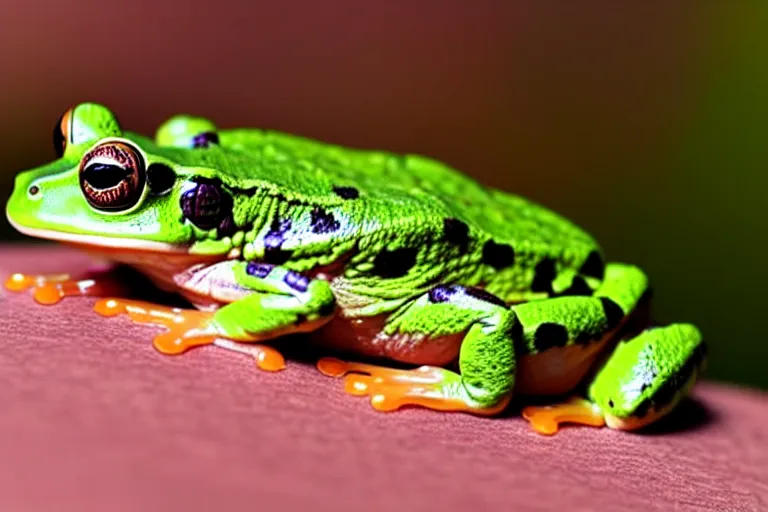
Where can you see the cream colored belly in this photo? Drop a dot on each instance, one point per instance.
(554, 372)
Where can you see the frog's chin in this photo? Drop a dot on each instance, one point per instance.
(102, 242)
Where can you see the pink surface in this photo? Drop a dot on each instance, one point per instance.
(94, 419)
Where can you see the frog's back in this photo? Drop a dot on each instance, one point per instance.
(502, 216)
(473, 235)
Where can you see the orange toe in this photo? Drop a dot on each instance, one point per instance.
(186, 327)
(547, 419)
(267, 358)
(19, 282)
(51, 288)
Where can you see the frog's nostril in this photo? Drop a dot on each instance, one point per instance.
(34, 190)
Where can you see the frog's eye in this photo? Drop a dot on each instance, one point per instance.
(62, 132)
(112, 177)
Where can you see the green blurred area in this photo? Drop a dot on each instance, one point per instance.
(645, 123)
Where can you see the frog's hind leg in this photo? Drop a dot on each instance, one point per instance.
(644, 376)
(486, 358)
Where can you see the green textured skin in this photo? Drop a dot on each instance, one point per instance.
(272, 307)
(499, 242)
(638, 368)
(487, 356)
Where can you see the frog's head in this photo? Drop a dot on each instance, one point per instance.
(108, 188)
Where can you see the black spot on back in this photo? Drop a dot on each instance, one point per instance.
(257, 269)
(549, 335)
(205, 139)
(296, 281)
(323, 221)
(485, 296)
(346, 192)
(277, 255)
(613, 312)
(227, 226)
(517, 333)
(543, 275)
(273, 241)
(584, 337)
(498, 256)
(578, 287)
(442, 293)
(391, 264)
(593, 266)
(456, 232)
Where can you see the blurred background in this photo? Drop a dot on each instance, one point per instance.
(644, 123)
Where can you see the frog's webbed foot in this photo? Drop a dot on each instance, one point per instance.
(187, 328)
(547, 419)
(51, 288)
(390, 389)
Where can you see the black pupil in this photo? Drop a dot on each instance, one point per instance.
(104, 176)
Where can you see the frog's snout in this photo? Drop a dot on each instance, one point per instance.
(26, 195)
(26, 186)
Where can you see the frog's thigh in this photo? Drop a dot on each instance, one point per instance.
(624, 391)
(263, 302)
(486, 358)
(564, 335)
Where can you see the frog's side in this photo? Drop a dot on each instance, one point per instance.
(386, 255)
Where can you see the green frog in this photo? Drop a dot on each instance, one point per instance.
(479, 295)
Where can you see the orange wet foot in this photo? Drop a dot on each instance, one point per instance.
(187, 328)
(51, 288)
(267, 358)
(547, 419)
(428, 386)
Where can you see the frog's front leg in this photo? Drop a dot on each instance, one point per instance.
(263, 302)
(486, 359)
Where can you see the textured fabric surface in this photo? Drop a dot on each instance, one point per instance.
(92, 418)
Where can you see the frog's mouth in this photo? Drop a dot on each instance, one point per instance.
(101, 242)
